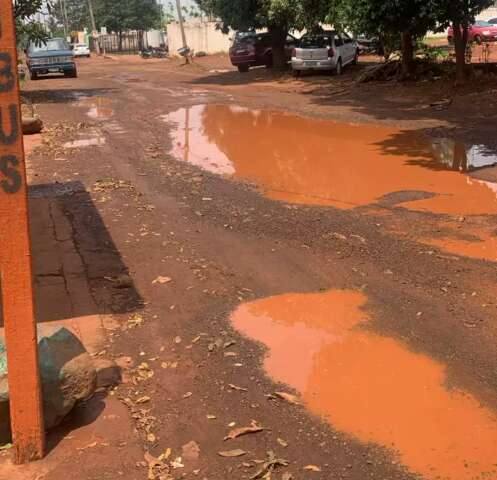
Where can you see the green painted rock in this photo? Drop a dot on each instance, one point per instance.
(67, 372)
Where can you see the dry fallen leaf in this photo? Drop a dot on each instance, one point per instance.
(177, 463)
(90, 445)
(165, 455)
(238, 432)
(312, 468)
(144, 399)
(282, 442)
(162, 280)
(187, 395)
(152, 463)
(287, 476)
(238, 389)
(269, 466)
(288, 397)
(232, 453)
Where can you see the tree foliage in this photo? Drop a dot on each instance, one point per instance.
(115, 15)
(78, 16)
(29, 30)
(278, 16)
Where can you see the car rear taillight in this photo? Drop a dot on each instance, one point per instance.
(294, 52)
(331, 53)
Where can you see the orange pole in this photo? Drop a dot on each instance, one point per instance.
(26, 414)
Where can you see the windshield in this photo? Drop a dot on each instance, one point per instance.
(481, 23)
(316, 41)
(49, 46)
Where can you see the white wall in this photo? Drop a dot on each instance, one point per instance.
(155, 38)
(200, 36)
(488, 14)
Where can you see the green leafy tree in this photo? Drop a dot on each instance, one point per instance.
(78, 16)
(399, 22)
(122, 15)
(277, 16)
(460, 14)
(142, 15)
(29, 30)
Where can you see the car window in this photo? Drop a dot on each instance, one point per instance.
(263, 40)
(345, 38)
(481, 23)
(316, 41)
(247, 40)
(338, 41)
(49, 46)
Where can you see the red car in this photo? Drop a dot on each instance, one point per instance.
(479, 32)
(252, 49)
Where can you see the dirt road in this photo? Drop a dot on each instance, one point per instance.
(245, 243)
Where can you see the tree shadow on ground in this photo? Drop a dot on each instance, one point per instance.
(263, 74)
(77, 269)
(66, 95)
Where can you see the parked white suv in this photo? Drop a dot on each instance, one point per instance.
(329, 50)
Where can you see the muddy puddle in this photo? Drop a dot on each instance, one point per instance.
(96, 141)
(98, 107)
(475, 242)
(370, 386)
(320, 162)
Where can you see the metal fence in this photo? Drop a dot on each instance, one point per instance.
(127, 42)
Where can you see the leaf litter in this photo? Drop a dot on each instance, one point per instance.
(238, 432)
(232, 453)
(269, 466)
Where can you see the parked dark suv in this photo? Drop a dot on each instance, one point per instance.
(52, 56)
(252, 49)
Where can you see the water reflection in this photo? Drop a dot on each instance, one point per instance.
(457, 156)
(311, 161)
(371, 386)
(98, 107)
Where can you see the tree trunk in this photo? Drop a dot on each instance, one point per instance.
(460, 45)
(278, 44)
(408, 65)
(120, 33)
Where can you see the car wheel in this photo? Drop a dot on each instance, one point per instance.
(339, 67)
(297, 73)
(33, 75)
(72, 74)
(478, 39)
(243, 68)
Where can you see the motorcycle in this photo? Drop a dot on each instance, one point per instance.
(152, 52)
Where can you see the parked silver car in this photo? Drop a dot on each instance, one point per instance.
(329, 50)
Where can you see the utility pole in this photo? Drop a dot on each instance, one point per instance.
(181, 23)
(66, 21)
(94, 27)
(64, 18)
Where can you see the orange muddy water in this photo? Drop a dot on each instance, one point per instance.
(320, 162)
(371, 386)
